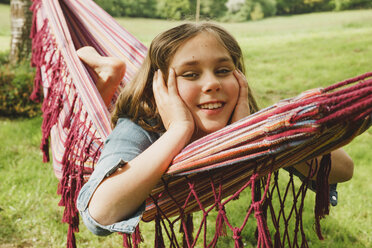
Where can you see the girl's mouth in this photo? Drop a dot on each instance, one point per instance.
(211, 105)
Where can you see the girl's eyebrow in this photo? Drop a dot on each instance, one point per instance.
(225, 59)
(196, 62)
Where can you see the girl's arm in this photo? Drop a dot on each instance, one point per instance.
(121, 194)
(342, 167)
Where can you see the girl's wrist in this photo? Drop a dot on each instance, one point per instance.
(184, 131)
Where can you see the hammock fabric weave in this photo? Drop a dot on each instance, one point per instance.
(209, 173)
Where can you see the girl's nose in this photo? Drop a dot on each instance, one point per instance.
(211, 84)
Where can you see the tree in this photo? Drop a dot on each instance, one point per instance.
(291, 7)
(176, 9)
(242, 10)
(213, 9)
(21, 21)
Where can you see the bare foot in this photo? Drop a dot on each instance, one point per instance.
(109, 71)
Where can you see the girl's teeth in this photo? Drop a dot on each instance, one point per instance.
(211, 105)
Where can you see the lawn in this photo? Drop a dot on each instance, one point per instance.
(4, 27)
(284, 56)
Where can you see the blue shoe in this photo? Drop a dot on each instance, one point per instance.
(333, 196)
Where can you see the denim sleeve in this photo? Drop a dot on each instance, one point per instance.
(126, 141)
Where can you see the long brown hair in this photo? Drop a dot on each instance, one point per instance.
(137, 102)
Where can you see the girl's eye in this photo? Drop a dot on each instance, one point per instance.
(190, 75)
(223, 71)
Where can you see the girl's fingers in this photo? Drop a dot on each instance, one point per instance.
(172, 86)
(242, 82)
(155, 86)
(242, 105)
(161, 82)
(159, 88)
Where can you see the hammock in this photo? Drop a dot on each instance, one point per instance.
(207, 174)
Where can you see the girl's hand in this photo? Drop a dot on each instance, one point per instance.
(172, 109)
(242, 106)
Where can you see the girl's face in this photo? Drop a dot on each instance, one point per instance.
(205, 81)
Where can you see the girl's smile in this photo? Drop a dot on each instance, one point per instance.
(213, 106)
(206, 83)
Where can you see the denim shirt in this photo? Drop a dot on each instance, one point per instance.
(126, 142)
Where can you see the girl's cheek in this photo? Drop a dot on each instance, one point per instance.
(183, 91)
(184, 88)
(233, 85)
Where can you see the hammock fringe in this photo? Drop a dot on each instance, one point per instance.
(322, 193)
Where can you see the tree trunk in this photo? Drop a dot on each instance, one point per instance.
(21, 21)
(197, 15)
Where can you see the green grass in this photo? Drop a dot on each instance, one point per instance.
(284, 56)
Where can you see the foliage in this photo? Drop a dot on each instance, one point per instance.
(351, 4)
(166, 9)
(185, 9)
(214, 9)
(290, 7)
(234, 5)
(5, 1)
(176, 9)
(16, 83)
(130, 8)
(225, 10)
(251, 10)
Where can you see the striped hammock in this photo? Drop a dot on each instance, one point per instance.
(207, 174)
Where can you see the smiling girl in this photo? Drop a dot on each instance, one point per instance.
(191, 84)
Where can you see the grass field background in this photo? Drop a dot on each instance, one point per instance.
(284, 56)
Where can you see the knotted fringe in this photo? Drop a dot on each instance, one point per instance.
(43, 47)
(126, 240)
(51, 68)
(159, 240)
(136, 237)
(299, 224)
(238, 243)
(132, 240)
(71, 242)
(187, 229)
(70, 115)
(71, 182)
(220, 222)
(257, 197)
(36, 59)
(263, 239)
(322, 193)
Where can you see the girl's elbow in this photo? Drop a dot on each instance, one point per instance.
(98, 215)
(107, 214)
(101, 212)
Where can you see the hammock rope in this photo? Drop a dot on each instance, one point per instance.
(209, 173)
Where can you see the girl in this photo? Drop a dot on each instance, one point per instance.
(191, 83)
